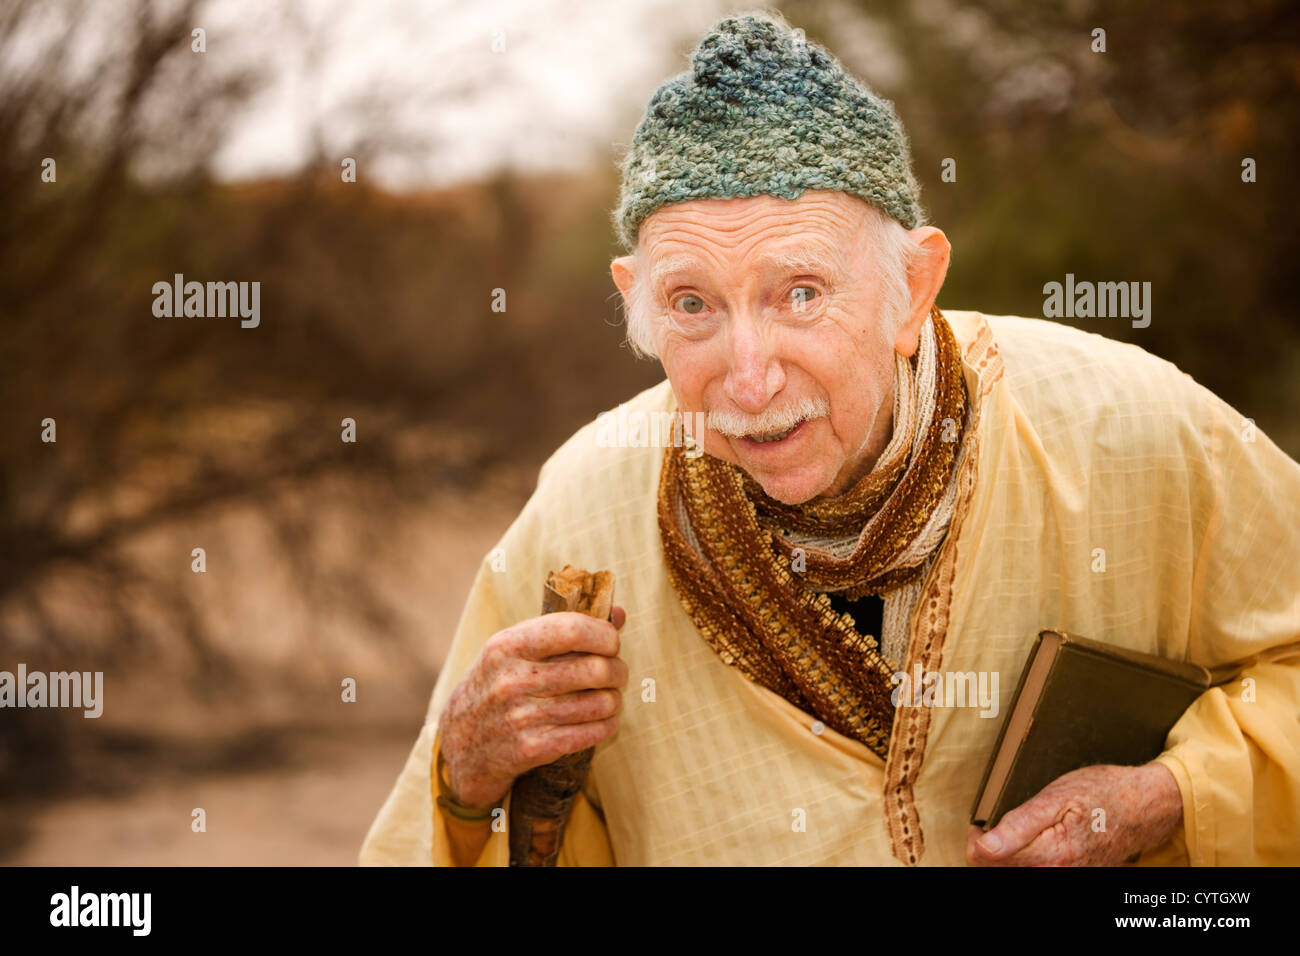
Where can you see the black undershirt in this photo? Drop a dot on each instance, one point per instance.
(868, 613)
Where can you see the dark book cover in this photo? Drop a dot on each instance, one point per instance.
(1080, 702)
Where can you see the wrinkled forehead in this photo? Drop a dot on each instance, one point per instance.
(667, 262)
(817, 232)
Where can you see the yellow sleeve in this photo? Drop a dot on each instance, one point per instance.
(1236, 751)
(586, 842)
(1236, 756)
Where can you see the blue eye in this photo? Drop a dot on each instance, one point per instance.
(801, 295)
(691, 304)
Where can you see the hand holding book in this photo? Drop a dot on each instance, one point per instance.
(1102, 815)
(1072, 779)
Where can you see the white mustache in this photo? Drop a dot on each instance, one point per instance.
(736, 425)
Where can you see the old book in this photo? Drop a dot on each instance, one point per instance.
(1080, 702)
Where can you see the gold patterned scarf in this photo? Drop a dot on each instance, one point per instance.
(753, 573)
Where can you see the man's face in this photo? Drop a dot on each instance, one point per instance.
(768, 314)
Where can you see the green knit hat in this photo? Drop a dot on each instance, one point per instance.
(763, 111)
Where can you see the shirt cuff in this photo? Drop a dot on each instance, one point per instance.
(1198, 807)
(449, 831)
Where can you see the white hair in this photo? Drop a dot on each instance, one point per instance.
(770, 421)
(896, 254)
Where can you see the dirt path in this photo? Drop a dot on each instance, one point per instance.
(311, 815)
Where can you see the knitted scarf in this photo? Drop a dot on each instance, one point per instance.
(754, 573)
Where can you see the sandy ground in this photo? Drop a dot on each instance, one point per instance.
(286, 772)
(314, 812)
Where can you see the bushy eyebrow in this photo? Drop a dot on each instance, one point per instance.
(804, 259)
(810, 259)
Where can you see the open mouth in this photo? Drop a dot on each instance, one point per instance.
(771, 437)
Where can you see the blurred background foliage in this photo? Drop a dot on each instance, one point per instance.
(329, 559)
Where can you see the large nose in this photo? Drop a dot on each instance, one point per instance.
(755, 374)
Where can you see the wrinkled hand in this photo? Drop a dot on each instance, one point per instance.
(543, 688)
(1061, 826)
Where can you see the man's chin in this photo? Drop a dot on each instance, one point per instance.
(791, 486)
(787, 489)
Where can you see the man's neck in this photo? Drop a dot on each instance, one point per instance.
(881, 433)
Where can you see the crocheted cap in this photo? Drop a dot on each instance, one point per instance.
(764, 111)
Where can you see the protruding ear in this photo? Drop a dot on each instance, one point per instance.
(924, 279)
(623, 269)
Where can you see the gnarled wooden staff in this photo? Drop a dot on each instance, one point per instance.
(541, 799)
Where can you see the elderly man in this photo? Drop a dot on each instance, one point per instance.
(879, 488)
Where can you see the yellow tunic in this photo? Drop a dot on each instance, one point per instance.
(1109, 495)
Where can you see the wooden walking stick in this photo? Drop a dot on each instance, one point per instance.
(541, 799)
